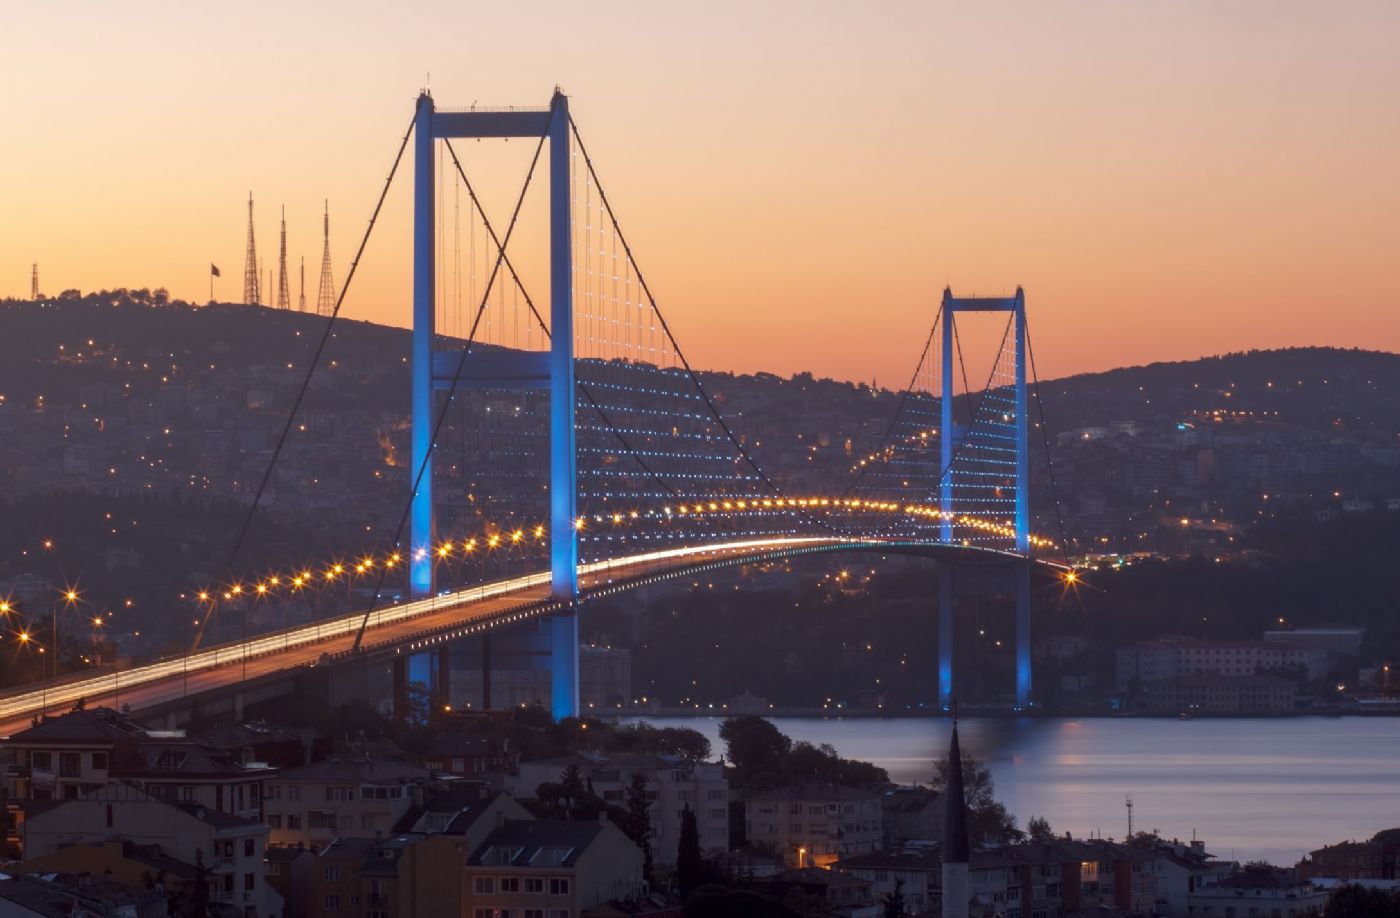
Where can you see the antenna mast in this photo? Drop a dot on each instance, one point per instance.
(325, 297)
(34, 283)
(251, 293)
(284, 300)
(1128, 801)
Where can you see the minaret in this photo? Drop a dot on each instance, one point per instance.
(325, 297)
(955, 846)
(251, 295)
(284, 299)
(34, 283)
(301, 297)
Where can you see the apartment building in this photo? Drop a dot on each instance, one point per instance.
(673, 783)
(815, 824)
(547, 868)
(230, 847)
(343, 797)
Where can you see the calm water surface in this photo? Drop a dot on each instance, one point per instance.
(1271, 789)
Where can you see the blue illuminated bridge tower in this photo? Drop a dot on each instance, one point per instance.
(551, 370)
(1010, 434)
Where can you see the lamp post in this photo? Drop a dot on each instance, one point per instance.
(67, 600)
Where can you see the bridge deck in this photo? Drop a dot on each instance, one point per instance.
(487, 605)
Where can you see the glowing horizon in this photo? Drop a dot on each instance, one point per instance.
(799, 180)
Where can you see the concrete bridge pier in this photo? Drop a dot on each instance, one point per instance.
(399, 687)
(1011, 581)
(440, 680)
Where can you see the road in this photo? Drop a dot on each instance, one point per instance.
(154, 683)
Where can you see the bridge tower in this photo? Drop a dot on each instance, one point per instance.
(551, 370)
(948, 491)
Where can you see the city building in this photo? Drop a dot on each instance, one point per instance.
(476, 757)
(59, 758)
(1259, 891)
(673, 783)
(815, 825)
(57, 895)
(121, 861)
(1208, 693)
(1374, 859)
(1168, 658)
(911, 814)
(414, 871)
(843, 894)
(914, 870)
(550, 868)
(229, 847)
(342, 797)
(1339, 640)
(1181, 870)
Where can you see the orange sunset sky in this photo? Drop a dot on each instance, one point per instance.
(799, 179)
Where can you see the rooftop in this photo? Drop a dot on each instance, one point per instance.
(356, 770)
(921, 857)
(98, 726)
(817, 793)
(536, 843)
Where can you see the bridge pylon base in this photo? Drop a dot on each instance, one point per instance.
(1012, 581)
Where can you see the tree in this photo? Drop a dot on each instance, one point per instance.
(636, 821)
(724, 902)
(197, 905)
(893, 902)
(1038, 828)
(755, 748)
(689, 866)
(1352, 901)
(988, 822)
(572, 788)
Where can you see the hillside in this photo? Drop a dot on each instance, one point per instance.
(124, 391)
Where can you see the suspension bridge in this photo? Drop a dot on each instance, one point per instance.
(570, 441)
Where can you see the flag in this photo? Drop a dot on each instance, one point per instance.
(214, 270)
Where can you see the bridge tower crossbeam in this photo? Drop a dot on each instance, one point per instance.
(551, 370)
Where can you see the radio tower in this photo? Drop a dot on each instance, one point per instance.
(251, 293)
(325, 298)
(34, 283)
(284, 299)
(301, 297)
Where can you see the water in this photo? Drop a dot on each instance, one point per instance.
(1251, 789)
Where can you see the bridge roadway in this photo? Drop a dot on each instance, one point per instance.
(408, 625)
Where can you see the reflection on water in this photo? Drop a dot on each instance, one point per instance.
(1271, 789)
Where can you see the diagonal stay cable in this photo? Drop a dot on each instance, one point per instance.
(311, 370)
(456, 380)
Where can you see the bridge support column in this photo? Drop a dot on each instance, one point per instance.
(441, 674)
(946, 602)
(399, 678)
(1023, 634)
(420, 556)
(563, 485)
(486, 671)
